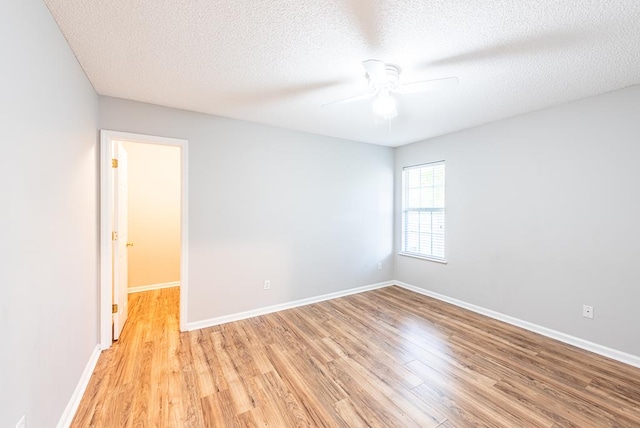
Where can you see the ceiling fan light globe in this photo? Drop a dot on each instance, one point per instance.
(384, 105)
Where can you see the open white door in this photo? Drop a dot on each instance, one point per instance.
(120, 226)
(113, 254)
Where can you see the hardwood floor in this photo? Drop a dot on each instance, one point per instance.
(384, 358)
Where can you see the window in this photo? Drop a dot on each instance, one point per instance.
(423, 210)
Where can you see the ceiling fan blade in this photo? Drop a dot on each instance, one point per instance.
(428, 85)
(350, 99)
(376, 70)
(366, 16)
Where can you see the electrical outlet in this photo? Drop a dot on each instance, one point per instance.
(267, 285)
(379, 265)
(587, 311)
(22, 423)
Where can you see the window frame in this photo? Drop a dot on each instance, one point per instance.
(405, 210)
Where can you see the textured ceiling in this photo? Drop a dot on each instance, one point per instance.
(278, 61)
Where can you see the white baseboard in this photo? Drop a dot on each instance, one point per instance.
(76, 397)
(140, 288)
(614, 354)
(282, 306)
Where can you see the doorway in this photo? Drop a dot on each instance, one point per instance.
(118, 151)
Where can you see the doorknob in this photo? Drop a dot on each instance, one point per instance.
(129, 244)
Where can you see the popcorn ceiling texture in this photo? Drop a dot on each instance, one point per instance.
(277, 62)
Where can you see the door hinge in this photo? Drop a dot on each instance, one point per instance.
(114, 308)
(114, 236)
(114, 163)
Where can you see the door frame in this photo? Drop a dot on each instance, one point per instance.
(107, 138)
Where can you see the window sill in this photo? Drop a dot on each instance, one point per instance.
(416, 256)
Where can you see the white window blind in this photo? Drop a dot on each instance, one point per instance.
(423, 210)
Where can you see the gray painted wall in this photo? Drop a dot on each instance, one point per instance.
(49, 306)
(312, 214)
(542, 217)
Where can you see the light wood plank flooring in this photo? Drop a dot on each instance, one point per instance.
(384, 358)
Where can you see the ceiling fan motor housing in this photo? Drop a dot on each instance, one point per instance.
(387, 82)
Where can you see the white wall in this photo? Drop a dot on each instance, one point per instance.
(312, 214)
(543, 216)
(48, 307)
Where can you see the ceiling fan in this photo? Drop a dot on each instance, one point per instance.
(384, 80)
